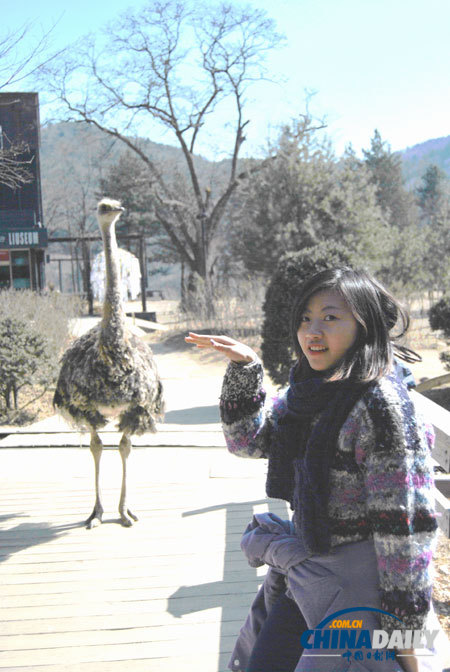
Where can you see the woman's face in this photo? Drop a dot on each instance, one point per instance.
(327, 330)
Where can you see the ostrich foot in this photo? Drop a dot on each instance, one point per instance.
(95, 519)
(127, 518)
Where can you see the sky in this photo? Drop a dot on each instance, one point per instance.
(372, 64)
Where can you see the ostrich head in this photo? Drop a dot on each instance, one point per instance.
(108, 211)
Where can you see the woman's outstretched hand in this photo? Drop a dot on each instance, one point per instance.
(234, 350)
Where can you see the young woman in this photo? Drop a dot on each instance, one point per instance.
(347, 450)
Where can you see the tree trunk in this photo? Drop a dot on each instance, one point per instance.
(182, 285)
(7, 397)
(86, 274)
(72, 268)
(200, 297)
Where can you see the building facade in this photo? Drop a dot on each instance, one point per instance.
(23, 238)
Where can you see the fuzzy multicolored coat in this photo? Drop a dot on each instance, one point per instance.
(381, 482)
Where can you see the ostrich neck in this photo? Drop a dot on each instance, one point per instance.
(113, 313)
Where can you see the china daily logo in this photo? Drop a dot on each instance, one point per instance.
(340, 631)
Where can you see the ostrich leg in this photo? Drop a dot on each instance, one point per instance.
(126, 515)
(95, 518)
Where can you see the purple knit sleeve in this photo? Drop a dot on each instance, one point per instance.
(400, 507)
(247, 416)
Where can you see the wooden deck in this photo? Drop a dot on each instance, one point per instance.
(168, 594)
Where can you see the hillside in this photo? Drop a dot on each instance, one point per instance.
(90, 153)
(86, 146)
(417, 158)
(82, 140)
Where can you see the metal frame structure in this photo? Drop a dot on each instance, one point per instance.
(129, 236)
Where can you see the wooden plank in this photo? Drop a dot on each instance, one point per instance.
(49, 583)
(99, 653)
(181, 605)
(208, 439)
(235, 614)
(186, 663)
(170, 633)
(74, 518)
(140, 594)
(81, 538)
(70, 561)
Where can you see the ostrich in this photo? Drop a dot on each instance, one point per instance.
(110, 373)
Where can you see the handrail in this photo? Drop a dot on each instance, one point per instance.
(431, 383)
(440, 419)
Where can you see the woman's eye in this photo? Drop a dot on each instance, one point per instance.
(304, 318)
(329, 318)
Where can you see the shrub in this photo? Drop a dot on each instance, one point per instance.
(294, 268)
(34, 330)
(439, 316)
(439, 319)
(25, 359)
(445, 359)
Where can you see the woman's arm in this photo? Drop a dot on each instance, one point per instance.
(398, 476)
(234, 350)
(247, 419)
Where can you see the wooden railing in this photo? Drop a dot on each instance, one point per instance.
(440, 418)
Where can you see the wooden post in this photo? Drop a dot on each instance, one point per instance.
(143, 267)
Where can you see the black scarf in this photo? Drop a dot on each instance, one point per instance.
(303, 455)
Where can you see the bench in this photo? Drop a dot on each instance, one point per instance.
(150, 293)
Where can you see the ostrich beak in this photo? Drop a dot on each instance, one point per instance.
(118, 209)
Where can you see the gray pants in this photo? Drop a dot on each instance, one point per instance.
(321, 585)
(325, 584)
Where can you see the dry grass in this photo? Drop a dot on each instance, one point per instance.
(35, 404)
(233, 317)
(441, 586)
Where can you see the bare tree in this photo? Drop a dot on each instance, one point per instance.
(172, 63)
(17, 65)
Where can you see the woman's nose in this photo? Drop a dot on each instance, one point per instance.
(315, 328)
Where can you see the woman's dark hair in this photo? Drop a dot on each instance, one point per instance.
(377, 313)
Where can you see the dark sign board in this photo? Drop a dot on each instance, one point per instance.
(14, 238)
(19, 127)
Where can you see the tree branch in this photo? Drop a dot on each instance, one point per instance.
(14, 171)
(17, 69)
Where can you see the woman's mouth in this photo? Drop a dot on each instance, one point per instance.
(317, 349)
